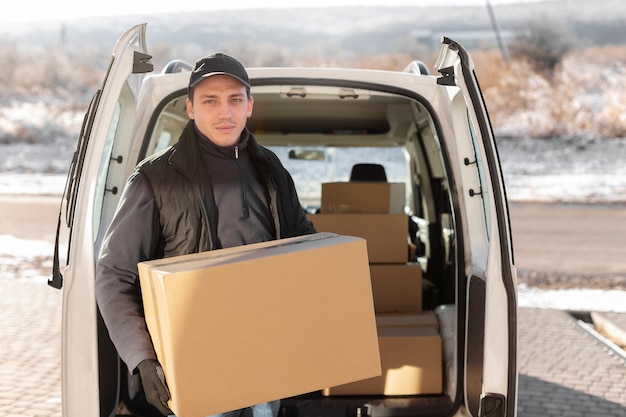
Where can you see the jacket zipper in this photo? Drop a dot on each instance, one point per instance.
(244, 200)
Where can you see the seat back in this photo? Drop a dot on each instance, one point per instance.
(368, 172)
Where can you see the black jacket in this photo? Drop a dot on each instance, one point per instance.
(184, 199)
(167, 209)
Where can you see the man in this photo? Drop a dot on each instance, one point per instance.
(215, 188)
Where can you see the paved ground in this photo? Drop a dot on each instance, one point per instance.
(30, 364)
(563, 370)
(570, 239)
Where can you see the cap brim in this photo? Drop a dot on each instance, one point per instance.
(205, 76)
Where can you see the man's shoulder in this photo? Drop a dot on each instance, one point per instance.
(157, 171)
(265, 152)
(158, 159)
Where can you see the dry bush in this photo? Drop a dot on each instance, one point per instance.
(602, 55)
(583, 96)
(10, 58)
(515, 95)
(589, 98)
(51, 73)
(603, 87)
(543, 42)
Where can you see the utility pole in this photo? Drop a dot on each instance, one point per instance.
(496, 29)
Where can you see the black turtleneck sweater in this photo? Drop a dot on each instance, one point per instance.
(243, 214)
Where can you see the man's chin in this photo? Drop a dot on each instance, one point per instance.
(225, 138)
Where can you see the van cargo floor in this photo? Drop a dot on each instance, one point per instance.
(314, 405)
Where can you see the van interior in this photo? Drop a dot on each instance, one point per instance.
(365, 137)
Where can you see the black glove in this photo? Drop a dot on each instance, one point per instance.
(154, 386)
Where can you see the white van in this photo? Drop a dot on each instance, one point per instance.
(429, 132)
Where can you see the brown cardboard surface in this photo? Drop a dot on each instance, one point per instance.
(363, 197)
(241, 326)
(386, 234)
(411, 360)
(397, 287)
(425, 318)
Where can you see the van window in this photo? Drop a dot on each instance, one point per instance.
(103, 171)
(484, 190)
(336, 165)
(168, 127)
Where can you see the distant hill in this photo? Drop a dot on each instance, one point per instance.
(282, 36)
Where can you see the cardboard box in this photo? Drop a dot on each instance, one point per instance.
(397, 287)
(425, 319)
(411, 360)
(240, 326)
(363, 197)
(386, 234)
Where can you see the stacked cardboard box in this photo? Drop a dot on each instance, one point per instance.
(240, 326)
(363, 197)
(409, 341)
(397, 287)
(411, 360)
(385, 234)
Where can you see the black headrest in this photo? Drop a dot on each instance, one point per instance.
(368, 172)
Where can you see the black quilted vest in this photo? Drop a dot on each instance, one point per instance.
(185, 201)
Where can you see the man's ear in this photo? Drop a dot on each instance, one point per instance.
(250, 106)
(189, 107)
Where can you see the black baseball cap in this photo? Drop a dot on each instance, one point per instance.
(218, 64)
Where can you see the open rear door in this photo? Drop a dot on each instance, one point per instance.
(85, 194)
(490, 351)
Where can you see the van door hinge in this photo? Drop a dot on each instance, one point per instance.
(447, 76)
(492, 405)
(141, 63)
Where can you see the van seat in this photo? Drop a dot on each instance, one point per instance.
(368, 172)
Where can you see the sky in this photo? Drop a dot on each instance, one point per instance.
(38, 10)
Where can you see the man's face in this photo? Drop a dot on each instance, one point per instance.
(220, 109)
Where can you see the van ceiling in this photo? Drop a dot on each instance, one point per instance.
(379, 115)
(372, 119)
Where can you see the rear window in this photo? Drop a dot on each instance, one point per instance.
(310, 167)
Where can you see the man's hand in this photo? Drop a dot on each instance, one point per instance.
(154, 386)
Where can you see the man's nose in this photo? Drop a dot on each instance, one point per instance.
(225, 110)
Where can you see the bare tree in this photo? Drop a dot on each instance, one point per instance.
(543, 43)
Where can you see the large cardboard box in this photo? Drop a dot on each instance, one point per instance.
(411, 361)
(363, 197)
(240, 326)
(386, 234)
(397, 287)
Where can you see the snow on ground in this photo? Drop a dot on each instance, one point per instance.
(573, 170)
(573, 299)
(32, 184)
(25, 259)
